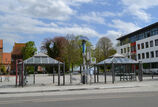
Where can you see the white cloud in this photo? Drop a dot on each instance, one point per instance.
(48, 9)
(138, 8)
(121, 28)
(96, 17)
(124, 27)
(113, 35)
(21, 20)
(92, 18)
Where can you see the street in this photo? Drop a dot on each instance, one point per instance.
(132, 99)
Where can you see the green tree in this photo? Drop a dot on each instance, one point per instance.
(72, 52)
(29, 50)
(3, 70)
(104, 49)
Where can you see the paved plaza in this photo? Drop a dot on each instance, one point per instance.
(47, 80)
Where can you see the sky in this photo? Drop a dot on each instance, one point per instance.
(36, 20)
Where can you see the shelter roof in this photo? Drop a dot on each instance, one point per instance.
(41, 59)
(118, 59)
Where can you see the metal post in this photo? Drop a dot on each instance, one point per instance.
(128, 67)
(58, 74)
(124, 66)
(34, 76)
(97, 74)
(94, 74)
(19, 76)
(104, 73)
(63, 73)
(135, 72)
(70, 75)
(53, 74)
(151, 72)
(126, 72)
(120, 71)
(16, 81)
(22, 80)
(113, 73)
(81, 72)
(140, 72)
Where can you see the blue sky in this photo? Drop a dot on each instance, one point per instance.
(35, 20)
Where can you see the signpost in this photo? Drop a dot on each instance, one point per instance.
(84, 76)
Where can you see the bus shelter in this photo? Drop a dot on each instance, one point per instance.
(121, 66)
(39, 59)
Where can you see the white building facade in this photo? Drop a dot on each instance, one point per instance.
(141, 45)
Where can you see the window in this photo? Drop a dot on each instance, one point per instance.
(138, 46)
(152, 54)
(142, 45)
(148, 34)
(156, 42)
(124, 50)
(147, 45)
(121, 51)
(143, 56)
(147, 55)
(139, 57)
(156, 53)
(151, 43)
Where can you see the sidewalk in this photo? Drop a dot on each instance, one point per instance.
(39, 89)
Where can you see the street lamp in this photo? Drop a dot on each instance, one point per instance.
(84, 40)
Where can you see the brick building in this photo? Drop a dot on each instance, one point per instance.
(16, 54)
(7, 61)
(5, 58)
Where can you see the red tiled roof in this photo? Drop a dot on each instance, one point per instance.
(18, 48)
(6, 58)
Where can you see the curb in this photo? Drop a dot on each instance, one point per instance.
(59, 90)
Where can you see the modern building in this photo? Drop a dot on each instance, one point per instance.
(141, 45)
(16, 54)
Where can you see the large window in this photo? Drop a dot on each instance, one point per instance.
(143, 56)
(156, 52)
(151, 43)
(154, 31)
(121, 51)
(139, 57)
(152, 54)
(142, 45)
(156, 42)
(147, 55)
(148, 34)
(146, 44)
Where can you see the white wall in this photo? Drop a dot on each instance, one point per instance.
(149, 49)
(122, 47)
